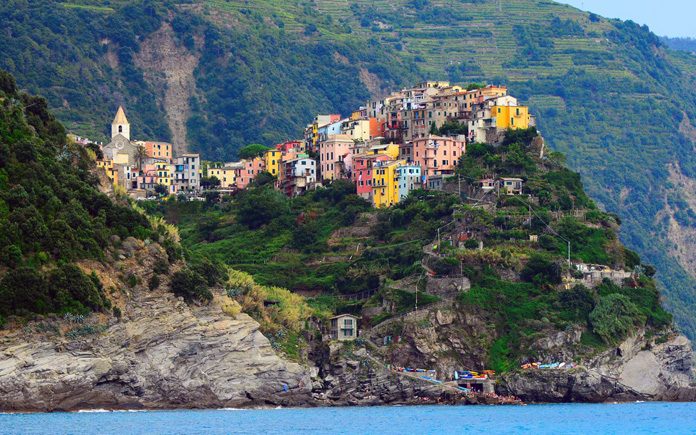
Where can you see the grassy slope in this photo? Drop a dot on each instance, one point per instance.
(604, 94)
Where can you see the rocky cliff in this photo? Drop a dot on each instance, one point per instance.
(640, 368)
(162, 353)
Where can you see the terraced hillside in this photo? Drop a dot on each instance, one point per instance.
(609, 94)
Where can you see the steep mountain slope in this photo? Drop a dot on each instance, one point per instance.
(52, 214)
(607, 93)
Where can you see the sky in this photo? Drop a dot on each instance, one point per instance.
(664, 17)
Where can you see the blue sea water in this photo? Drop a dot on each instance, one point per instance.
(633, 418)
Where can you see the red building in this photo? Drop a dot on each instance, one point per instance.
(362, 172)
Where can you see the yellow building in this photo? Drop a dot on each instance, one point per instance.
(385, 183)
(272, 159)
(391, 150)
(164, 174)
(226, 176)
(513, 117)
(111, 172)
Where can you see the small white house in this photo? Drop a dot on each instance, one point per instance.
(511, 186)
(344, 327)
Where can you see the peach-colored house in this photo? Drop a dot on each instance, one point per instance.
(159, 150)
(249, 170)
(332, 153)
(436, 155)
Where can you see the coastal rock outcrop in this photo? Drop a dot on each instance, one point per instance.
(638, 369)
(162, 354)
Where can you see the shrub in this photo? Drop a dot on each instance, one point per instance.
(212, 271)
(258, 207)
(2, 321)
(190, 285)
(614, 317)
(117, 312)
(161, 267)
(578, 302)
(153, 283)
(541, 271)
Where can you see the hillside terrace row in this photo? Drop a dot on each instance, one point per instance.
(387, 148)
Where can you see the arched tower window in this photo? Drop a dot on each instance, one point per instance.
(120, 129)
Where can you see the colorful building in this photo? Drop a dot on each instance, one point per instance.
(272, 160)
(435, 155)
(332, 153)
(409, 178)
(362, 172)
(298, 176)
(250, 169)
(511, 117)
(158, 150)
(226, 175)
(111, 172)
(385, 183)
(187, 173)
(164, 175)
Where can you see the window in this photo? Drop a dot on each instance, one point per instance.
(120, 129)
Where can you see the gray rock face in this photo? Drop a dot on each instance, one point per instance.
(165, 354)
(636, 370)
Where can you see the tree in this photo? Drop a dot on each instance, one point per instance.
(614, 317)
(252, 150)
(140, 156)
(453, 128)
(258, 207)
(541, 271)
(210, 182)
(264, 178)
(99, 154)
(161, 189)
(578, 301)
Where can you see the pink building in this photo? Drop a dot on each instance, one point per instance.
(332, 153)
(362, 172)
(436, 155)
(249, 171)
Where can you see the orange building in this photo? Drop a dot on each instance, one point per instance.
(158, 150)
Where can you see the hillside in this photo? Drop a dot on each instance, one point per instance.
(609, 94)
(52, 215)
(105, 310)
(683, 44)
(331, 246)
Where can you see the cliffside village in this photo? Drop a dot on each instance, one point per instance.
(387, 148)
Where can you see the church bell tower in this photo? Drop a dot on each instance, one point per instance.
(120, 125)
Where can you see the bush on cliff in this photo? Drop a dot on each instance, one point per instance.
(614, 317)
(191, 286)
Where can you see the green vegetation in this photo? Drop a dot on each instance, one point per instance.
(51, 213)
(333, 244)
(251, 151)
(590, 81)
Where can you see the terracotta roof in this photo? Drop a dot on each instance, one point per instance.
(120, 117)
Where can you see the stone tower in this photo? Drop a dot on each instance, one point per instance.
(120, 125)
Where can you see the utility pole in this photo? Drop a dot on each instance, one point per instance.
(459, 178)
